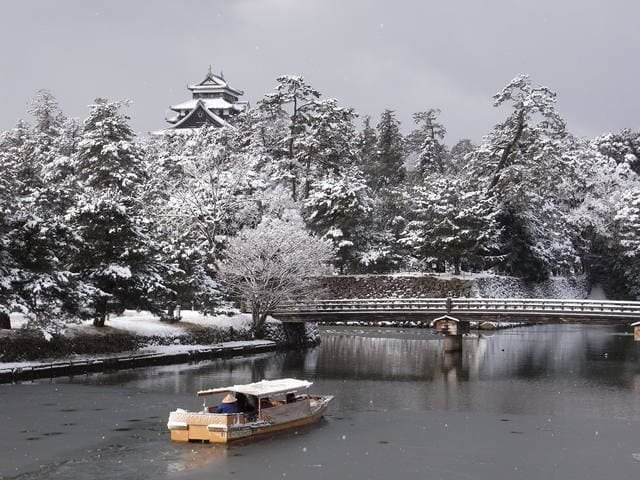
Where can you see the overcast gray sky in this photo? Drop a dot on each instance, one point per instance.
(369, 54)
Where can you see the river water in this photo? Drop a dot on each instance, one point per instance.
(543, 402)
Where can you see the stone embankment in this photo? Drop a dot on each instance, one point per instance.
(11, 373)
(392, 286)
(27, 354)
(433, 286)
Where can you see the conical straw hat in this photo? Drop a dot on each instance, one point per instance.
(229, 398)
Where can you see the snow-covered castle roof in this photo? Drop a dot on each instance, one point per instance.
(213, 83)
(213, 102)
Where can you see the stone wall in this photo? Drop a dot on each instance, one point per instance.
(390, 286)
(511, 287)
(413, 286)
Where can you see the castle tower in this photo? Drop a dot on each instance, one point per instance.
(213, 102)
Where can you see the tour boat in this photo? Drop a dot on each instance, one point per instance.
(264, 408)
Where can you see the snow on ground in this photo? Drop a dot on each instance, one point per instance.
(144, 324)
(147, 325)
(18, 320)
(597, 292)
(237, 320)
(175, 349)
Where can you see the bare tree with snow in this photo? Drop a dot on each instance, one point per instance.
(272, 263)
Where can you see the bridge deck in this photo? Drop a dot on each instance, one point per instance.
(424, 309)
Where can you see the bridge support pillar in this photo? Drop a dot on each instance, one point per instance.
(452, 343)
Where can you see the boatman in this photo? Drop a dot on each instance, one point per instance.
(228, 405)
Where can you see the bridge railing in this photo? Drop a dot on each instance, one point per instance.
(395, 304)
(464, 305)
(546, 305)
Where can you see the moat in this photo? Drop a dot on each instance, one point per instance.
(557, 401)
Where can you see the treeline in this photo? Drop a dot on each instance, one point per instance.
(93, 219)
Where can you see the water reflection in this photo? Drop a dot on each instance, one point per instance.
(197, 456)
(543, 369)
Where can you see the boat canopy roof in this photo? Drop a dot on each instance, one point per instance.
(263, 388)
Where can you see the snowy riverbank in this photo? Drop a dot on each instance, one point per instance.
(160, 355)
(141, 334)
(148, 325)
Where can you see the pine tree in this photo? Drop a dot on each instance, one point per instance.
(382, 251)
(521, 163)
(453, 224)
(627, 223)
(117, 257)
(459, 155)
(37, 243)
(623, 147)
(108, 158)
(305, 136)
(387, 169)
(44, 288)
(8, 268)
(294, 100)
(338, 210)
(367, 145)
(426, 142)
(329, 142)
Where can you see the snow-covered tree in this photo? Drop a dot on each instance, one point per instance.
(37, 243)
(426, 141)
(627, 221)
(329, 143)
(367, 144)
(8, 267)
(596, 192)
(203, 190)
(386, 169)
(623, 147)
(459, 155)
(273, 263)
(306, 137)
(117, 256)
(210, 198)
(295, 101)
(108, 158)
(338, 209)
(522, 163)
(43, 287)
(453, 224)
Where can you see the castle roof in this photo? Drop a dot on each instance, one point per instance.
(213, 83)
(201, 107)
(213, 103)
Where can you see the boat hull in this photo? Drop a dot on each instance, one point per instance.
(186, 427)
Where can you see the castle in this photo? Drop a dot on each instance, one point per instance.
(213, 102)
